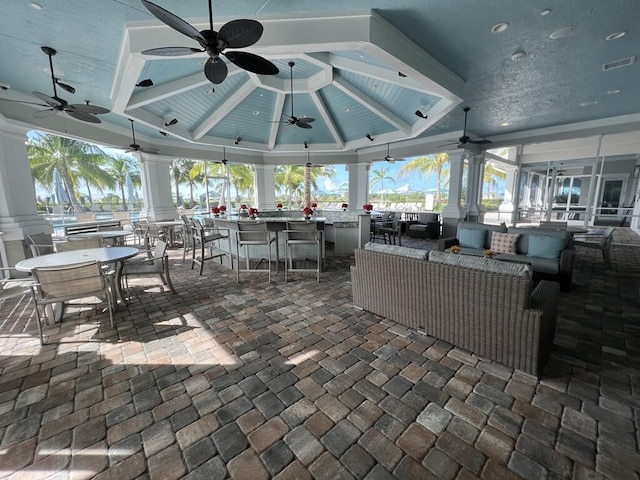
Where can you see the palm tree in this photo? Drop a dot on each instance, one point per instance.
(180, 168)
(290, 179)
(241, 177)
(492, 175)
(199, 173)
(426, 166)
(72, 159)
(378, 177)
(120, 168)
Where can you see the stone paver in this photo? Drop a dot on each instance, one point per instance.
(288, 381)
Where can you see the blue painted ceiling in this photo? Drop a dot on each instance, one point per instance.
(556, 82)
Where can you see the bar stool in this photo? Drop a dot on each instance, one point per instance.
(302, 233)
(254, 234)
(206, 239)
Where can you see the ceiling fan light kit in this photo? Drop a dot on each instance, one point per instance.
(234, 34)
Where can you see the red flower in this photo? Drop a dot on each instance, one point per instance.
(222, 208)
(279, 205)
(345, 205)
(215, 210)
(314, 205)
(368, 207)
(243, 206)
(307, 211)
(253, 211)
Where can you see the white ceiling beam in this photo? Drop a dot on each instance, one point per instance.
(276, 119)
(161, 92)
(374, 71)
(371, 104)
(327, 119)
(224, 109)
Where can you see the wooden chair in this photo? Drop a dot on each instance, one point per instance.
(157, 264)
(300, 233)
(62, 284)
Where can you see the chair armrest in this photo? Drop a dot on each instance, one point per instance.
(567, 257)
(141, 261)
(445, 243)
(545, 298)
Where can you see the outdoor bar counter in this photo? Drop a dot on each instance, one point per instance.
(347, 234)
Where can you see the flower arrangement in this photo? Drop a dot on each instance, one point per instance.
(455, 249)
(222, 208)
(279, 206)
(308, 211)
(314, 205)
(253, 212)
(243, 207)
(345, 206)
(367, 207)
(215, 211)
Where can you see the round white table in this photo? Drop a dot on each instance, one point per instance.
(115, 255)
(170, 225)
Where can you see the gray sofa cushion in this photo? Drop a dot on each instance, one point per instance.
(522, 246)
(481, 263)
(398, 250)
(428, 217)
(481, 226)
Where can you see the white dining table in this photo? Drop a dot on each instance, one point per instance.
(104, 255)
(170, 225)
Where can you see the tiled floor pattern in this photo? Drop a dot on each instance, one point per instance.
(289, 381)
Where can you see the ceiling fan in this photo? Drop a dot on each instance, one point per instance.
(235, 34)
(389, 158)
(302, 122)
(55, 104)
(465, 139)
(134, 147)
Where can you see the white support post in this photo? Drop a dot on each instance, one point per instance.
(358, 185)
(453, 212)
(156, 187)
(264, 187)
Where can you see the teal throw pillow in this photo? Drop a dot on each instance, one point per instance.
(545, 246)
(471, 238)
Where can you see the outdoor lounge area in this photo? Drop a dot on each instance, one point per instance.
(289, 380)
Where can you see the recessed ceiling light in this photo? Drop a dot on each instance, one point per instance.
(613, 92)
(504, 124)
(345, 109)
(587, 104)
(561, 33)
(615, 36)
(209, 91)
(36, 6)
(517, 55)
(500, 27)
(255, 113)
(545, 12)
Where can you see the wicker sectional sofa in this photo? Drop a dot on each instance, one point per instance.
(547, 264)
(499, 316)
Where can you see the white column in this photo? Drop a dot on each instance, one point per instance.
(475, 173)
(358, 185)
(264, 187)
(18, 212)
(510, 187)
(453, 211)
(156, 187)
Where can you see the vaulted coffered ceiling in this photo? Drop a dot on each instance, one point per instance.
(553, 70)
